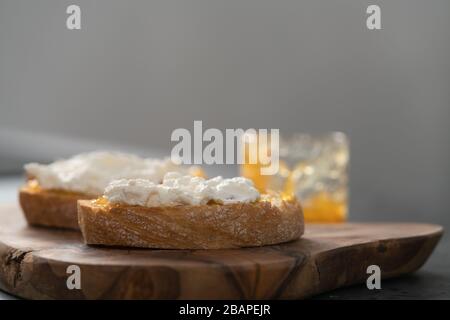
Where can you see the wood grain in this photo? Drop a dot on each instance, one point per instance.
(33, 263)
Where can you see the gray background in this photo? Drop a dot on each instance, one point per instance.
(139, 69)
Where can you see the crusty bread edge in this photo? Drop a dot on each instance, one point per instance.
(191, 227)
(50, 208)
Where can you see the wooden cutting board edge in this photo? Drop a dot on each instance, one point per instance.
(25, 273)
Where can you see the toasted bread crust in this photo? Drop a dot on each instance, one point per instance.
(50, 208)
(211, 226)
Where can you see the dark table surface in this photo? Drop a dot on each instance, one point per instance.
(432, 281)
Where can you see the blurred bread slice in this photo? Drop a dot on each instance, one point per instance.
(210, 226)
(58, 208)
(50, 208)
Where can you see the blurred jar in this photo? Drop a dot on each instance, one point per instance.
(312, 167)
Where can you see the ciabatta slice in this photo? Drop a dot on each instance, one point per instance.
(210, 226)
(50, 208)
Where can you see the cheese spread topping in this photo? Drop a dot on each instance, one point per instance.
(90, 173)
(177, 189)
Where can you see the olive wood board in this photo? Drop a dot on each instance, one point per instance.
(34, 263)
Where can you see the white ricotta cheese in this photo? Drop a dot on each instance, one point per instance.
(177, 189)
(90, 173)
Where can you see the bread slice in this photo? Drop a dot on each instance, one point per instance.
(50, 208)
(211, 226)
